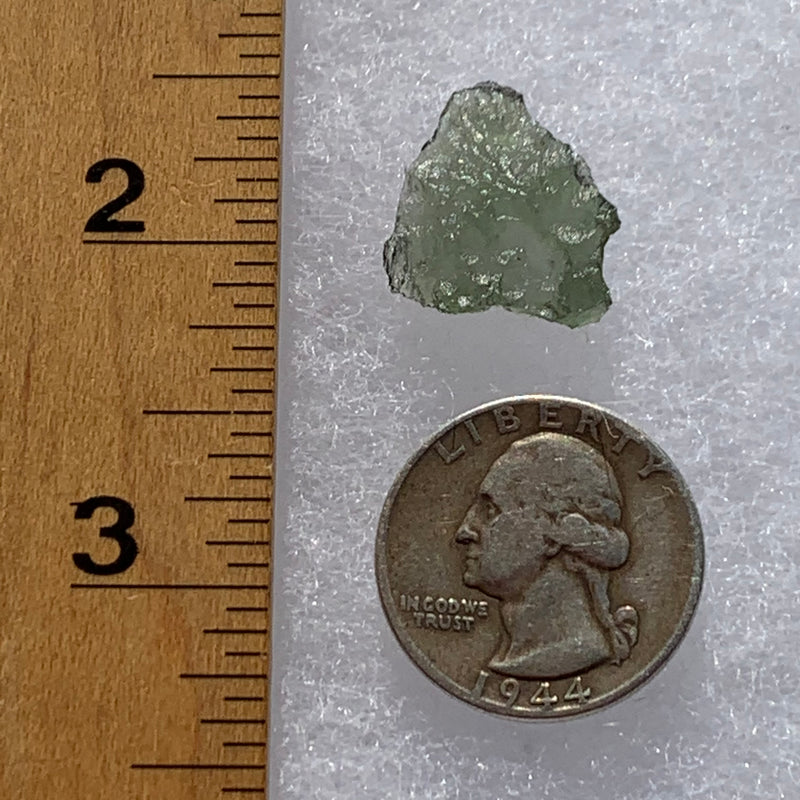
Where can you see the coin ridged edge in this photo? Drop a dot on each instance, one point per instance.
(446, 683)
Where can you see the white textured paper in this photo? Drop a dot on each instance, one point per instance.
(688, 114)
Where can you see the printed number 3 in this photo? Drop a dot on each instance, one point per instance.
(128, 549)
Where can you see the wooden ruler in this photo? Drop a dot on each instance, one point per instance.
(139, 238)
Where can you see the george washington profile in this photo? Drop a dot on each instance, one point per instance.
(542, 536)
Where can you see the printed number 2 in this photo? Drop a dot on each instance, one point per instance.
(128, 549)
(102, 220)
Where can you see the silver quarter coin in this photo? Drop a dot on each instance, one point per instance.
(539, 557)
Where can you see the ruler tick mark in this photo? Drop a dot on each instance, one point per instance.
(236, 631)
(183, 242)
(228, 327)
(242, 284)
(244, 699)
(256, 117)
(164, 586)
(257, 676)
(237, 542)
(235, 159)
(251, 200)
(214, 76)
(181, 412)
(240, 455)
(225, 499)
(236, 35)
(244, 744)
(244, 653)
(258, 767)
(242, 369)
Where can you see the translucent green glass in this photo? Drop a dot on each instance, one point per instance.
(495, 211)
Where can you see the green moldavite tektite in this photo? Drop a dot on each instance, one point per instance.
(495, 211)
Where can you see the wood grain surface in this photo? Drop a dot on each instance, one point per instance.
(113, 685)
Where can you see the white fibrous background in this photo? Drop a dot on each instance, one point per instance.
(688, 116)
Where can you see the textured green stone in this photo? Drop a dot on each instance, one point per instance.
(496, 211)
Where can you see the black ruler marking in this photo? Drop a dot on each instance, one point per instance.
(256, 767)
(237, 542)
(224, 676)
(253, 136)
(261, 587)
(184, 242)
(215, 76)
